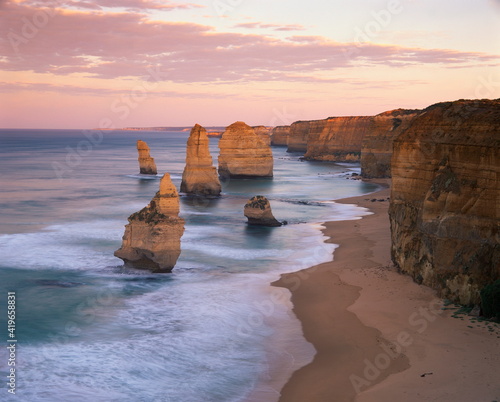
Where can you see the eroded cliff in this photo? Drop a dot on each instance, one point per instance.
(279, 136)
(297, 138)
(376, 148)
(244, 153)
(445, 201)
(152, 238)
(337, 139)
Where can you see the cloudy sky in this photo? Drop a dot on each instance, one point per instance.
(121, 63)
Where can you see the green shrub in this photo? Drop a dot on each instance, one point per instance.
(490, 300)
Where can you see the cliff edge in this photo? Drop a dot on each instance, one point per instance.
(445, 201)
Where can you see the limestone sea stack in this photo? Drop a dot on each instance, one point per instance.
(445, 201)
(146, 162)
(243, 153)
(258, 212)
(152, 238)
(199, 176)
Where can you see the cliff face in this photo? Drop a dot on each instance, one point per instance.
(243, 153)
(199, 176)
(263, 133)
(146, 163)
(337, 138)
(280, 135)
(445, 202)
(376, 149)
(297, 139)
(152, 238)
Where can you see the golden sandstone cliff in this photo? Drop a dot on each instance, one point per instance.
(445, 202)
(244, 153)
(199, 176)
(279, 135)
(146, 162)
(376, 148)
(297, 138)
(152, 238)
(337, 138)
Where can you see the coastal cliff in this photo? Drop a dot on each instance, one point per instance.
(376, 148)
(445, 201)
(146, 162)
(199, 176)
(279, 135)
(297, 138)
(337, 139)
(244, 153)
(152, 238)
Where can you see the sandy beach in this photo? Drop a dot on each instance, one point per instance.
(379, 336)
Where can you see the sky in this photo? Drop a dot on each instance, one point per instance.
(68, 64)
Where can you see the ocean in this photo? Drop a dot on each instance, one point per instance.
(88, 329)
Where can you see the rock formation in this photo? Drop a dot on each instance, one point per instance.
(199, 176)
(280, 135)
(152, 238)
(297, 139)
(445, 201)
(258, 212)
(146, 163)
(376, 149)
(243, 153)
(263, 133)
(337, 138)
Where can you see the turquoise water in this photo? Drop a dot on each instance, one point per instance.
(90, 330)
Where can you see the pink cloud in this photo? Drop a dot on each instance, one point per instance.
(276, 27)
(111, 45)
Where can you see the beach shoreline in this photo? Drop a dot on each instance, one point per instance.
(378, 335)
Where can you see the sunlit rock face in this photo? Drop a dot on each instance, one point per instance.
(376, 148)
(337, 139)
(199, 176)
(445, 203)
(146, 162)
(152, 238)
(279, 135)
(244, 153)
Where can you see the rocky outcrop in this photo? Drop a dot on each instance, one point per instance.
(279, 135)
(263, 133)
(146, 163)
(199, 176)
(152, 238)
(445, 201)
(337, 139)
(243, 153)
(258, 212)
(299, 134)
(376, 148)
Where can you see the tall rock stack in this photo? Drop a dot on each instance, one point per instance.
(263, 133)
(146, 162)
(152, 238)
(243, 153)
(199, 176)
(445, 201)
(337, 139)
(376, 149)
